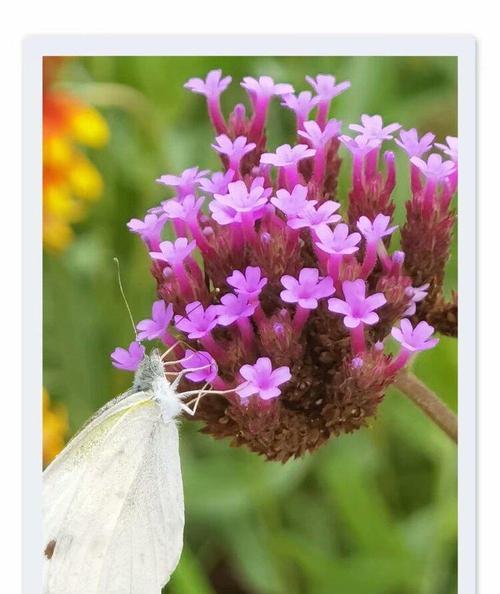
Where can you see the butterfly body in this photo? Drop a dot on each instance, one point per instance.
(113, 507)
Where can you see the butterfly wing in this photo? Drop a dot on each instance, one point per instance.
(113, 504)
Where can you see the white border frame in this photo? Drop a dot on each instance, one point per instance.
(463, 47)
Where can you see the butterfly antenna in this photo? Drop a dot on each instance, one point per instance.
(123, 295)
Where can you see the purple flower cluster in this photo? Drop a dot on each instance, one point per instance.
(288, 298)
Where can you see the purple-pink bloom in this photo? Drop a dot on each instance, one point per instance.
(149, 229)
(197, 322)
(174, 253)
(317, 136)
(435, 168)
(338, 241)
(373, 231)
(265, 87)
(128, 359)
(186, 183)
(203, 365)
(286, 155)
(161, 316)
(262, 380)
(234, 307)
(307, 289)
(240, 199)
(212, 86)
(187, 209)
(450, 148)
(411, 144)
(360, 145)
(292, 204)
(416, 294)
(357, 308)
(302, 104)
(218, 183)
(236, 149)
(372, 128)
(249, 284)
(414, 339)
(325, 87)
(316, 218)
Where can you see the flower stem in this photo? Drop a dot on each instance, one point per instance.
(428, 402)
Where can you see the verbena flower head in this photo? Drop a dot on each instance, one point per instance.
(128, 359)
(450, 148)
(289, 295)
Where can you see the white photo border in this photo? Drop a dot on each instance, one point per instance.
(36, 47)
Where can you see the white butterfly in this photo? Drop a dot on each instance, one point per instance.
(113, 504)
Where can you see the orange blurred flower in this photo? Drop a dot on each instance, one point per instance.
(55, 428)
(70, 180)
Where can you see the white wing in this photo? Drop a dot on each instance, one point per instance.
(113, 504)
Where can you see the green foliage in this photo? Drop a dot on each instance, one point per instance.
(370, 513)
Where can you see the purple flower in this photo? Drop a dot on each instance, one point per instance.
(204, 366)
(265, 87)
(325, 87)
(416, 294)
(186, 183)
(174, 253)
(212, 86)
(360, 145)
(149, 230)
(450, 148)
(435, 168)
(319, 137)
(372, 232)
(286, 155)
(262, 380)
(301, 105)
(373, 128)
(161, 316)
(224, 215)
(412, 145)
(249, 284)
(235, 150)
(316, 218)
(240, 199)
(307, 289)
(292, 204)
(128, 359)
(218, 183)
(197, 322)
(338, 241)
(234, 307)
(187, 209)
(357, 308)
(414, 339)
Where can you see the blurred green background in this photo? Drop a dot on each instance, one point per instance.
(370, 513)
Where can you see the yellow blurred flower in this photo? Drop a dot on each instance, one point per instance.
(70, 180)
(55, 428)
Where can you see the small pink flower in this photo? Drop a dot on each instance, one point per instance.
(262, 380)
(212, 86)
(416, 294)
(450, 148)
(360, 145)
(317, 136)
(174, 253)
(236, 149)
(357, 308)
(186, 183)
(373, 128)
(338, 241)
(265, 87)
(128, 359)
(412, 145)
(249, 284)
(286, 155)
(325, 87)
(301, 105)
(161, 316)
(435, 168)
(240, 199)
(185, 210)
(149, 229)
(414, 339)
(307, 289)
(292, 203)
(218, 183)
(203, 365)
(234, 307)
(198, 322)
(373, 231)
(316, 218)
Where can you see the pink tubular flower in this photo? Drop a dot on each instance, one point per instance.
(316, 218)
(156, 327)
(373, 231)
(149, 230)
(287, 155)
(414, 339)
(249, 284)
(128, 359)
(212, 87)
(326, 89)
(292, 204)
(435, 168)
(218, 183)
(301, 105)
(372, 128)
(357, 308)
(338, 241)
(242, 200)
(360, 145)
(235, 150)
(186, 210)
(234, 307)
(307, 289)
(203, 365)
(412, 145)
(185, 183)
(318, 136)
(174, 253)
(197, 322)
(262, 380)
(416, 294)
(450, 148)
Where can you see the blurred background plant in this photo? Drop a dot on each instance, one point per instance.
(370, 513)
